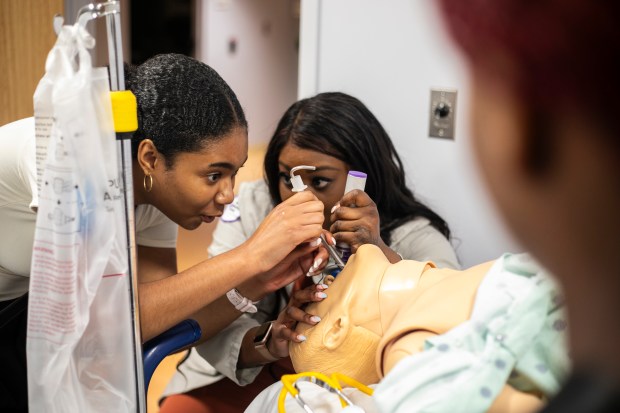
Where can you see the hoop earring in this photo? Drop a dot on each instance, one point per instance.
(148, 184)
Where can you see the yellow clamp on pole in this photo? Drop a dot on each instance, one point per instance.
(124, 110)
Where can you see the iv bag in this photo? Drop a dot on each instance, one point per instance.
(80, 347)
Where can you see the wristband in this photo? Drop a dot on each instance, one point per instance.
(241, 303)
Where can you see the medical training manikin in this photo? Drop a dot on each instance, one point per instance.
(490, 338)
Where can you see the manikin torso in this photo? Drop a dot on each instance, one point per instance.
(378, 313)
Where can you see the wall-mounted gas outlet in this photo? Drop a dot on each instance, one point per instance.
(442, 113)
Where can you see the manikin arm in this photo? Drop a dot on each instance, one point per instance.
(509, 400)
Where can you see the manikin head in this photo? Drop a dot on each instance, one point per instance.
(363, 299)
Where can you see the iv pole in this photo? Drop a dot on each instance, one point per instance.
(117, 82)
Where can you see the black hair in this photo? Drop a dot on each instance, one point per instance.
(341, 126)
(183, 104)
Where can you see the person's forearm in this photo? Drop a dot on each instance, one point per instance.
(248, 357)
(390, 254)
(215, 317)
(166, 302)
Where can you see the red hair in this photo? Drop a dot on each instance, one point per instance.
(567, 52)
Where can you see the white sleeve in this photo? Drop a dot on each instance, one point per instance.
(154, 229)
(28, 160)
(418, 240)
(18, 193)
(229, 232)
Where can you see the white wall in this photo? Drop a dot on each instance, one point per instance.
(263, 70)
(390, 54)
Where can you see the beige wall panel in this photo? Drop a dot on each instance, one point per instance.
(26, 36)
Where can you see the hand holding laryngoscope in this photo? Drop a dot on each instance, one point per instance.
(355, 180)
(298, 186)
(282, 330)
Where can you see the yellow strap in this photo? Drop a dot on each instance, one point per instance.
(125, 111)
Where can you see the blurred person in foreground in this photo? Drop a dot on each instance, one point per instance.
(544, 76)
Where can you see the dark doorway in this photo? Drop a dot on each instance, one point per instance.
(161, 26)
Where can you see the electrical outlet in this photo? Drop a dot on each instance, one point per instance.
(442, 113)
